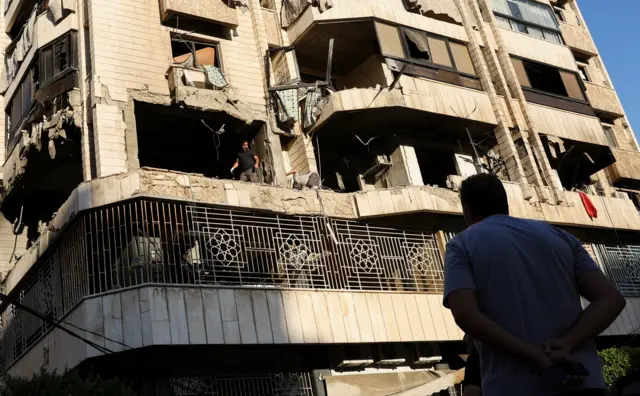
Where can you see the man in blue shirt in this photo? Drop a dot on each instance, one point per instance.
(514, 285)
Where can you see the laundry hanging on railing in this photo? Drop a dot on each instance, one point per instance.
(214, 76)
(287, 104)
(292, 9)
(22, 45)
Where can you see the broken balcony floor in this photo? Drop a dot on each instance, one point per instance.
(149, 182)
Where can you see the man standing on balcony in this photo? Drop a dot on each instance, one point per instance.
(248, 163)
(514, 285)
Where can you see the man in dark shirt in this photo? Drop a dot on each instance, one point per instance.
(248, 162)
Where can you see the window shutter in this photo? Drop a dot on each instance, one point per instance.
(571, 84)
(389, 40)
(439, 52)
(462, 58)
(521, 73)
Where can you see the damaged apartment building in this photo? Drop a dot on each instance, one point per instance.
(123, 224)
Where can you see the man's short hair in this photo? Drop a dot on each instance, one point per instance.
(243, 142)
(485, 195)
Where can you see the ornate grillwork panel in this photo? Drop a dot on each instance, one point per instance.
(622, 265)
(146, 241)
(284, 384)
(378, 258)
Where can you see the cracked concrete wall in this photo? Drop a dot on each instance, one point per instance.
(130, 52)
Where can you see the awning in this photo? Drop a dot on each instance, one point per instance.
(399, 383)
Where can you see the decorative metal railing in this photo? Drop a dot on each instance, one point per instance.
(622, 266)
(289, 384)
(159, 242)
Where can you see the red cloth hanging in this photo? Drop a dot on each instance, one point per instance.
(588, 205)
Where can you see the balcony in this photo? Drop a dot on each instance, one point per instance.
(578, 38)
(604, 100)
(216, 11)
(193, 88)
(539, 50)
(626, 171)
(234, 264)
(567, 124)
(312, 18)
(616, 213)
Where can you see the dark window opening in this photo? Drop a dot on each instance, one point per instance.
(436, 165)
(545, 78)
(417, 46)
(548, 79)
(189, 24)
(176, 139)
(194, 54)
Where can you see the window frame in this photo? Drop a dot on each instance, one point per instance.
(527, 24)
(430, 64)
(11, 125)
(609, 135)
(559, 14)
(559, 69)
(193, 41)
(584, 71)
(70, 42)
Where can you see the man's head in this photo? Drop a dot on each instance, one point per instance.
(482, 196)
(245, 145)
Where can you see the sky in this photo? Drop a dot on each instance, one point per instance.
(615, 30)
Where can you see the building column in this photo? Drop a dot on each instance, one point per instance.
(506, 146)
(534, 159)
(405, 170)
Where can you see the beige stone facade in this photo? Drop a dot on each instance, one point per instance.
(123, 118)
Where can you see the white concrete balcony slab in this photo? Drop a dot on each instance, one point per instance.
(539, 50)
(394, 13)
(578, 38)
(211, 10)
(567, 124)
(626, 170)
(604, 99)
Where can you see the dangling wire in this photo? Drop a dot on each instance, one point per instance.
(216, 137)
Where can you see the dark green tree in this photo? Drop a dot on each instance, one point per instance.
(67, 384)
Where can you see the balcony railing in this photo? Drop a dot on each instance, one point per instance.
(157, 242)
(282, 384)
(622, 265)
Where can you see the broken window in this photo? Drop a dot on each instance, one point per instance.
(56, 59)
(559, 14)
(417, 46)
(188, 53)
(529, 17)
(548, 79)
(423, 48)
